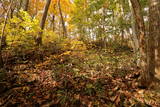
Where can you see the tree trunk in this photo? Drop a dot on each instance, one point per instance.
(1, 60)
(53, 22)
(26, 5)
(141, 29)
(42, 23)
(122, 37)
(62, 20)
(3, 37)
(141, 32)
(19, 5)
(153, 28)
(12, 12)
(134, 34)
(154, 32)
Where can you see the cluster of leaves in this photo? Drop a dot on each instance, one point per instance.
(21, 31)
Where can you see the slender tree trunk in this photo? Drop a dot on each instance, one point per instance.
(35, 8)
(26, 5)
(154, 33)
(142, 39)
(53, 22)
(3, 37)
(42, 23)
(151, 42)
(122, 27)
(141, 32)
(62, 20)
(134, 34)
(1, 60)
(19, 5)
(122, 39)
(12, 12)
(103, 29)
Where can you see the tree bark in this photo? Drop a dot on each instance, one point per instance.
(19, 5)
(62, 20)
(134, 34)
(42, 23)
(141, 32)
(1, 60)
(151, 42)
(3, 37)
(53, 22)
(154, 34)
(26, 5)
(141, 28)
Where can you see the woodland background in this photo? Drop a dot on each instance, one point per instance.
(79, 53)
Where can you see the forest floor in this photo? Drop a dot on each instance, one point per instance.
(94, 78)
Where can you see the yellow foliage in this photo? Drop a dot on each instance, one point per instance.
(78, 45)
(21, 30)
(50, 37)
(66, 53)
(74, 47)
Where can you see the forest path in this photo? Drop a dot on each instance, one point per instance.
(105, 78)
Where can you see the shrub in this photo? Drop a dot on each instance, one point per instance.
(21, 30)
